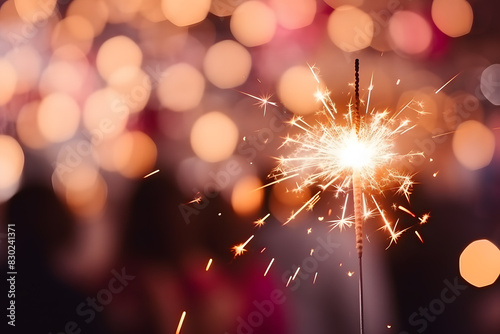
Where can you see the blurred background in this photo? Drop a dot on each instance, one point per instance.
(135, 137)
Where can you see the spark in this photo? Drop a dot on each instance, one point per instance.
(325, 153)
(456, 75)
(263, 249)
(261, 221)
(315, 276)
(152, 173)
(263, 101)
(295, 275)
(350, 273)
(424, 218)
(435, 174)
(402, 208)
(197, 199)
(389, 326)
(269, 266)
(289, 279)
(418, 235)
(398, 82)
(309, 230)
(311, 252)
(343, 221)
(180, 323)
(208, 264)
(443, 134)
(240, 249)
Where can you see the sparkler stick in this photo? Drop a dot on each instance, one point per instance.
(356, 185)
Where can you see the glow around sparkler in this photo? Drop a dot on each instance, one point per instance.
(326, 152)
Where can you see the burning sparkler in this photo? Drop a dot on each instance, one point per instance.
(357, 153)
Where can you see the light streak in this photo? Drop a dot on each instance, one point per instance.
(240, 249)
(208, 264)
(295, 275)
(315, 276)
(418, 235)
(261, 221)
(152, 173)
(180, 323)
(456, 75)
(269, 266)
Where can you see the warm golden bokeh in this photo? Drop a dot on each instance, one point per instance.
(105, 113)
(58, 117)
(227, 64)
(294, 14)
(95, 12)
(185, 12)
(28, 63)
(134, 154)
(35, 10)
(62, 77)
(27, 126)
(350, 28)
(452, 17)
(214, 137)
(8, 81)
(115, 53)
(410, 32)
(80, 185)
(479, 263)
(253, 23)
(247, 198)
(134, 86)
(73, 30)
(181, 88)
(473, 145)
(297, 88)
(11, 162)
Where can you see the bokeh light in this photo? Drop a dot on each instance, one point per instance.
(253, 23)
(185, 12)
(297, 88)
(214, 137)
(28, 63)
(134, 86)
(410, 32)
(95, 12)
(473, 145)
(227, 64)
(73, 30)
(35, 10)
(11, 162)
(79, 184)
(105, 113)
(247, 198)
(479, 263)
(58, 117)
(8, 81)
(181, 88)
(27, 126)
(294, 14)
(490, 83)
(62, 77)
(115, 53)
(452, 17)
(134, 154)
(350, 28)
